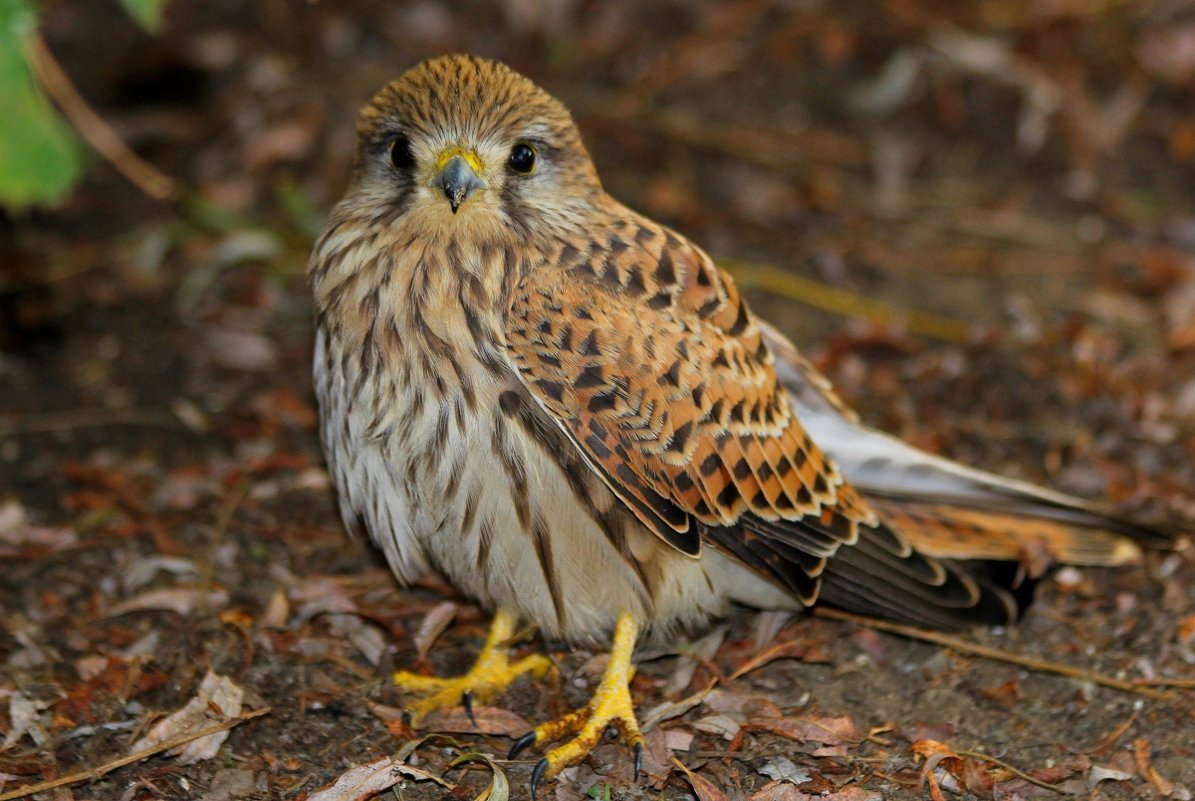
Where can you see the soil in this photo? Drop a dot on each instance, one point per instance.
(1012, 182)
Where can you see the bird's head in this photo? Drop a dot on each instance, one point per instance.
(461, 145)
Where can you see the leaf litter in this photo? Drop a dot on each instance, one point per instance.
(1075, 260)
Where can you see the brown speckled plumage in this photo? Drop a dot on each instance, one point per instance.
(569, 409)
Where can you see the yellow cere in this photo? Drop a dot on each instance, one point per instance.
(468, 155)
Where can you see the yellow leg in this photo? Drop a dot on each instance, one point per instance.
(488, 677)
(610, 705)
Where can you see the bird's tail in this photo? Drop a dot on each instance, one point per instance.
(950, 511)
(1032, 535)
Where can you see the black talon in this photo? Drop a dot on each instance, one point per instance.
(536, 775)
(521, 743)
(637, 750)
(467, 702)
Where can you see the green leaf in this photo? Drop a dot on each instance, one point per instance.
(148, 13)
(40, 159)
(599, 792)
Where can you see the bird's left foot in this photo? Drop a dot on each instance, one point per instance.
(610, 705)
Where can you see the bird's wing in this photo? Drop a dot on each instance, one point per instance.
(645, 355)
(947, 509)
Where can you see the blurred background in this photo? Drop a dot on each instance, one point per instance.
(977, 217)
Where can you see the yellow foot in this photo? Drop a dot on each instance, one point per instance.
(610, 705)
(488, 677)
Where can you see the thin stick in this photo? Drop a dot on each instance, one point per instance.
(75, 419)
(92, 127)
(1021, 774)
(1165, 681)
(107, 767)
(975, 649)
(814, 293)
(223, 518)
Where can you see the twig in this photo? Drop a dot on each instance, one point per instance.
(223, 518)
(686, 56)
(975, 649)
(108, 767)
(1109, 739)
(814, 293)
(1163, 681)
(131, 501)
(73, 419)
(92, 127)
(788, 152)
(1019, 773)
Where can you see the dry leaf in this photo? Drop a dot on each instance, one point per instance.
(366, 781)
(490, 720)
(277, 611)
(244, 351)
(498, 789)
(671, 709)
(723, 725)
(742, 706)
(433, 625)
(1098, 774)
(1185, 630)
(318, 595)
(230, 784)
(690, 656)
(1006, 695)
(17, 533)
(1146, 769)
(779, 791)
(783, 769)
(955, 772)
(218, 698)
(703, 788)
(180, 600)
(677, 739)
(937, 756)
(827, 731)
(792, 649)
(24, 718)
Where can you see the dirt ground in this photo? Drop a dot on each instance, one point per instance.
(978, 218)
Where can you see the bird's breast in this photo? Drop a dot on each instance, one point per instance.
(441, 455)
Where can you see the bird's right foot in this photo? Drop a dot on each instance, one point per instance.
(490, 675)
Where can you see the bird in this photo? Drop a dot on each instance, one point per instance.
(570, 411)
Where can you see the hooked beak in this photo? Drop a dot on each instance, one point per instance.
(458, 178)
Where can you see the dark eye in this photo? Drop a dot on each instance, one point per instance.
(401, 157)
(522, 158)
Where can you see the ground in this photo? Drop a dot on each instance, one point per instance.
(977, 219)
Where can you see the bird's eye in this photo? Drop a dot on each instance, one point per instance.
(401, 157)
(522, 158)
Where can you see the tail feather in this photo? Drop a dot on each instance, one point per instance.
(958, 532)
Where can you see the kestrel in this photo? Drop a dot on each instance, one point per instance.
(569, 410)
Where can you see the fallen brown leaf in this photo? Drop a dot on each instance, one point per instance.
(703, 788)
(433, 625)
(490, 720)
(180, 600)
(824, 730)
(793, 649)
(1146, 769)
(1006, 695)
(780, 791)
(671, 709)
